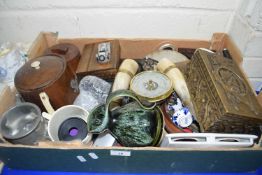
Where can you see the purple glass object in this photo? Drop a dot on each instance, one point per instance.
(73, 132)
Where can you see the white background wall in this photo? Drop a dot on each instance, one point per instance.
(22, 20)
(246, 31)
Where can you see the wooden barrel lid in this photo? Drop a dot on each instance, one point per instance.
(39, 72)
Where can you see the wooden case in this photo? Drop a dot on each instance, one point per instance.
(223, 100)
(89, 66)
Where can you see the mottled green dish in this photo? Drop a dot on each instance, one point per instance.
(133, 124)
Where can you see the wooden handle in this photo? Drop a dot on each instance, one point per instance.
(45, 100)
(46, 115)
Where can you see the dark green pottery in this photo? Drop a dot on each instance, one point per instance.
(133, 124)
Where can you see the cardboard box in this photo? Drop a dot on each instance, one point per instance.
(75, 157)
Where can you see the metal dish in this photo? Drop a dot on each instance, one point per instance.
(23, 124)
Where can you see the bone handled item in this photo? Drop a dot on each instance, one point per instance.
(179, 84)
(125, 73)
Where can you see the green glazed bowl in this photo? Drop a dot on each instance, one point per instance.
(133, 125)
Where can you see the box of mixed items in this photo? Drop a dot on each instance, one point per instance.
(131, 105)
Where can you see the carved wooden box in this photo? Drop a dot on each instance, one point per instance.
(222, 98)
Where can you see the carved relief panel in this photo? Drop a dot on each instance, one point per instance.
(222, 98)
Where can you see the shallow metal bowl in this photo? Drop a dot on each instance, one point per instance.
(22, 124)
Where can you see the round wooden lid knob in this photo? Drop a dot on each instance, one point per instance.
(35, 64)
